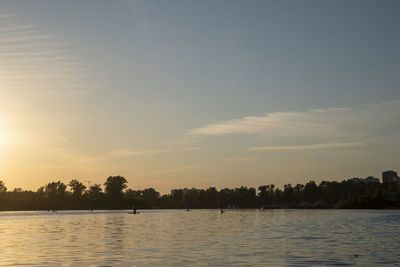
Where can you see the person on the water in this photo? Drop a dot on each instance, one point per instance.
(134, 209)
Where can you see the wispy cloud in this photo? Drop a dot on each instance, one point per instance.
(278, 121)
(16, 28)
(316, 122)
(175, 170)
(35, 61)
(127, 152)
(239, 159)
(6, 16)
(314, 129)
(307, 147)
(235, 126)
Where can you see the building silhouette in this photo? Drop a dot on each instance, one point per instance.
(389, 177)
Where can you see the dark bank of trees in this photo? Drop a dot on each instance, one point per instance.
(113, 194)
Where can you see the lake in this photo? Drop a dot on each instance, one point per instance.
(201, 238)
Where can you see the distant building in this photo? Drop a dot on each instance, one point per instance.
(371, 179)
(389, 177)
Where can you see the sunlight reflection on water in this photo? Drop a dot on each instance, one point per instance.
(201, 238)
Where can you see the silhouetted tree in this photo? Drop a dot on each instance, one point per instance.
(95, 196)
(3, 190)
(288, 194)
(78, 197)
(114, 187)
(3, 187)
(211, 197)
(56, 194)
(266, 194)
(77, 188)
(150, 197)
(225, 197)
(263, 195)
(310, 192)
(352, 193)
(298, 193)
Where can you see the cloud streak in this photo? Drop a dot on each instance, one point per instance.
(35, 61)
(307, 147)
(6, 16)
(14, 28)
(151, 152)
(239, 159)
(269, 122)
(314, 129)
(315, 122)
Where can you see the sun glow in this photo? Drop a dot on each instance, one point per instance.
(3, 139)
(5, 136)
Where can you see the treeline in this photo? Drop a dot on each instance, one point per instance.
(113, 194)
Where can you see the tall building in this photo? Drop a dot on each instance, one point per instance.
(389, 177)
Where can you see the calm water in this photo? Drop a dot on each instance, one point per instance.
(201, 238)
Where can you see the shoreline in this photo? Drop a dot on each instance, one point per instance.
(182, 209)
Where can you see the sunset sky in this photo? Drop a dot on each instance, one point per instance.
(173, 94)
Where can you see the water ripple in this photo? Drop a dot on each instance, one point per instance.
(201, 238)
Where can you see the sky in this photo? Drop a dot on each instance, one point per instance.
(174, 94)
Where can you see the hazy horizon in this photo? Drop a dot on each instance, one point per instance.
(174, 94)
